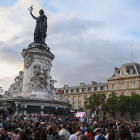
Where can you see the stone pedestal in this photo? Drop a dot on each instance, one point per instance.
(37, 66)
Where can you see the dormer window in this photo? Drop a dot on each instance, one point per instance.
(131, 71)
(122, 72)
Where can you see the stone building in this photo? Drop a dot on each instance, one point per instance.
(125, 81)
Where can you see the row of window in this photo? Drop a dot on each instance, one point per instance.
(122, 86)
(79, 98)
(79, 105)
(123, 72)
(85, 89)
(94, 89)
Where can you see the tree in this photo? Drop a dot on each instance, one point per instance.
(134, 104)
(123, 103)
(94, 101)
(81, 109)
(112, 104)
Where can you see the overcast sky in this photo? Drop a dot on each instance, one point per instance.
(88, 37)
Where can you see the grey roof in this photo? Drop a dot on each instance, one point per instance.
(73, 87)
(129, 66)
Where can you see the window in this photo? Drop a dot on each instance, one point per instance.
(131, 71)
(88, 89)
(74, 98)
(95, 88)
(102, 88)
(79, 98)
(68, 98)
(104, 117)
(83, 90)
(77, 90)
(113, 86)
(66, 91)
(85, 97)
(73, 105)
(105, 88)
(98, 88)
(122, 114)
(122, 85)
(71, 90)
(122, 93)
(132, 85)
(79, 105)
(122, 72)
(132, 93)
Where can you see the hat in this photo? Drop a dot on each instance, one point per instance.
(57, 137)
(42, 122)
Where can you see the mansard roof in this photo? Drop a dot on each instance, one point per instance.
(134, 67)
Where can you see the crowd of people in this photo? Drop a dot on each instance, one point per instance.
(65, 127)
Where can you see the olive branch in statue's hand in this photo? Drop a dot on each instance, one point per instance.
(31, 9)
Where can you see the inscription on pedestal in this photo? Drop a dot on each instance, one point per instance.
(33, 109)
(49, 110)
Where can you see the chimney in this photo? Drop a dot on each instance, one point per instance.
(93, 83)
(82, 84)
(66, 86)
(115, 69)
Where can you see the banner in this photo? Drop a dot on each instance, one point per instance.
(80, 114)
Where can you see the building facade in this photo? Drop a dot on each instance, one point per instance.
(124, 81)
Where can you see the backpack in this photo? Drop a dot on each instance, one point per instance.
(101, 138)
(88, 135)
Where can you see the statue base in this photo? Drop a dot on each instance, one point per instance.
(39, 45)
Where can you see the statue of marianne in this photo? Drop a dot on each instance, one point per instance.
(40, 32)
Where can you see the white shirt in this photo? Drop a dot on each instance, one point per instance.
(96, 137)
(65, 133)
(81, 119)
(25, 118)
(73, 137)
(106, 136)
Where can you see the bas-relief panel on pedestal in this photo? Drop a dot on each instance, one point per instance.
(28, 58)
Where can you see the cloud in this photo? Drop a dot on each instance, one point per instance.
(88, 39)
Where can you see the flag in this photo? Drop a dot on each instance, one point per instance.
(94, 112)
(92, 116)
(101, 106)
(62, 90)
(117, 122)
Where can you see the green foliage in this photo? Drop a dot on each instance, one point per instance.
(81, 109)
(114, 104)
(133, 104)
(94, 101)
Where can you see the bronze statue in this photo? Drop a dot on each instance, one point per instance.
(40, 32)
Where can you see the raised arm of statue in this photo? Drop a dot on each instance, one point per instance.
(33, 15)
